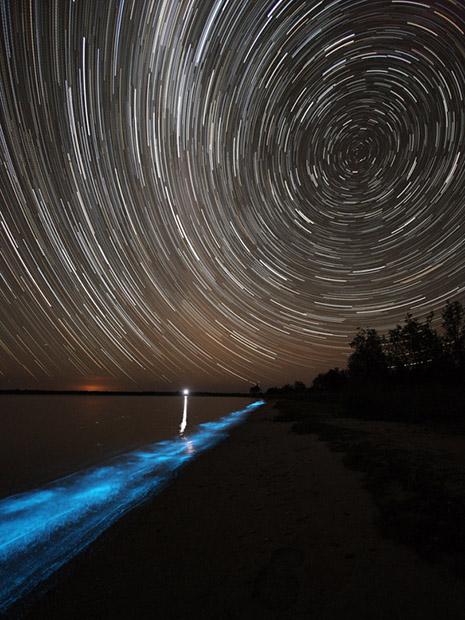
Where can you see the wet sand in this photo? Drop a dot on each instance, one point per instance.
(268, 524)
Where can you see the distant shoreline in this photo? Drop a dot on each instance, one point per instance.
(120, 393)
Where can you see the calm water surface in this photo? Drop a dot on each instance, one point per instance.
(44, 437)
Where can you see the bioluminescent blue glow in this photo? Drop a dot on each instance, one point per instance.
(42, 529)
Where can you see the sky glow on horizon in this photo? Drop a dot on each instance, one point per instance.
(220, 191)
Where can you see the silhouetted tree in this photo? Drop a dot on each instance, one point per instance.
(454, 333)
(255, 389)
(334, 380)
(368, 361)
(286, 391)
(420, 341)
(414, 349)
(396, 351)
(431, 342)
(300, 387)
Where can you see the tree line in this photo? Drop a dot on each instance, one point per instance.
(411, 354)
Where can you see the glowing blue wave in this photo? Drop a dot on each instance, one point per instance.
(42, 529)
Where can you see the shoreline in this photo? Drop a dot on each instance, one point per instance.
(267, 524)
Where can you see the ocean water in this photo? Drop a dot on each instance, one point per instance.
(71, 466)
(45, 437)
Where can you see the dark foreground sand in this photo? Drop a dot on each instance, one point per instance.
(269, 524)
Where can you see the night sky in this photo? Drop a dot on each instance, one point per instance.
(212, 193)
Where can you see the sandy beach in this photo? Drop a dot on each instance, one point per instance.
(268, 524)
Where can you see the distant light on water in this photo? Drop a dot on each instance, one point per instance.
(183, 425)
(42, 529)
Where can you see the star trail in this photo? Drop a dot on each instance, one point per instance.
(221, 192)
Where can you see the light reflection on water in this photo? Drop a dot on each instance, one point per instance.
(46, 437)
(182, 426)
(42, 529)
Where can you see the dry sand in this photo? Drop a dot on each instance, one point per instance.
(267, 525)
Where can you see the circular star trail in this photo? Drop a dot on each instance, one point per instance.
(223, 191)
